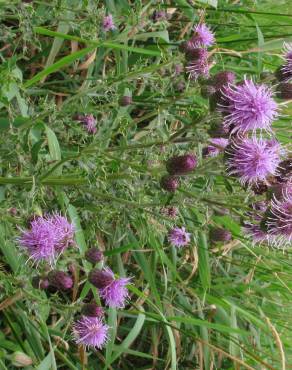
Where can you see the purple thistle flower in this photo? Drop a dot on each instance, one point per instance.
(218, 147)
(198, 68)
(178, 237)
(112, 290)
(108, 23)
(48, 236)
(64, 231)
(89, 122)
(255, 232)
(253, 159)
(91, 332)
(249, 107)
(279, 219)
(203, 36)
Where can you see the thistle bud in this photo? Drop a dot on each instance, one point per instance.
(181, 164)
(223, 78)
(60, 280)
(169, 183)
(93, 255)
(100, 278)
(92, 310)
(220, 235)
(20, 359)
(125, 101)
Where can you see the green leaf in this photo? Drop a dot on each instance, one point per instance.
(54, 148)
(133, 334)
(204, 264)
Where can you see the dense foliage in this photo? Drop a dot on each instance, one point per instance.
(145, 195)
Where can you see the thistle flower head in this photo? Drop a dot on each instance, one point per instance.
(279, 219)
(218, 147)
(89, 122)
(91, 332)
(253, 159)
(249, 107)
(108, 23)
(203, 36)
(198, 68)
(255, 232)
(178, 237)
(112, 290)
(48, 236)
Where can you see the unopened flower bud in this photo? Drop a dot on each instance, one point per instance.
(181, 164)
(220, 235)
(60, 280)
(92, 310)
(94, 255)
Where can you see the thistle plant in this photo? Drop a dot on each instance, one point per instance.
(145, 185)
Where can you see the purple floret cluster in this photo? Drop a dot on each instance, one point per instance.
(47, 237)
